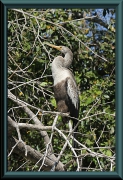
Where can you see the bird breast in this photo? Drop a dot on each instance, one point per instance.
(59, 76)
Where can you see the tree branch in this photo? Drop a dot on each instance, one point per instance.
(28, 126)
(37, 122)
(95, 19)
(33, 155)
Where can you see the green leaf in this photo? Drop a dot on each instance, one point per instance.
(108, 153)
(43, 84)
(88, 142)
(112, 130)
(98, 92)
(53, 102)
(89, 100)
(106, 96)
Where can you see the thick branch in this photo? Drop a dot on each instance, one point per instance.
(95, 19)
(28, 126)
(33, 155)
(31, 115)
(37, 122)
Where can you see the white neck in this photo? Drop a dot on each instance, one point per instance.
(60, 65)
(68, 59)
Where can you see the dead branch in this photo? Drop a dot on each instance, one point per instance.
(34, 155)
(28, 126)
(37, 122)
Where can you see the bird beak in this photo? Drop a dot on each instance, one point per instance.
(53, 46)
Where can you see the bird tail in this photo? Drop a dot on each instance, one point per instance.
(65, 120)
(75, 145)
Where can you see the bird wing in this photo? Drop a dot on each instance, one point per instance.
(72, 92)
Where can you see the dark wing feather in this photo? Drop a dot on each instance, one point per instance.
(73, 92)
(74, 106)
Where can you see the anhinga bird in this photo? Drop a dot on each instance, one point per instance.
(65, 87)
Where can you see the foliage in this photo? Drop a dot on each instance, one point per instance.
(30, 80)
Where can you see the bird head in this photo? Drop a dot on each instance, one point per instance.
(62, 49)
(67, 60)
